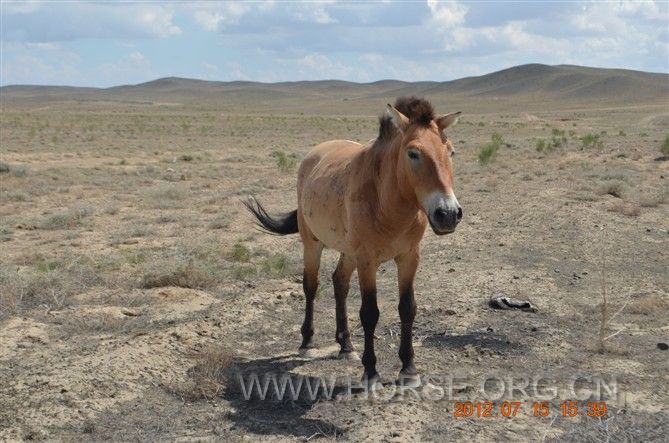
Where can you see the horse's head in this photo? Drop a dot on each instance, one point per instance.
(424, 166)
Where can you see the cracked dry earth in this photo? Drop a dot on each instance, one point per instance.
(115, 358)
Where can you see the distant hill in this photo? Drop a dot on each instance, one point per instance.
(528, 86)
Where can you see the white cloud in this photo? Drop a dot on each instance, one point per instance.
(61, 21)
(43, 46)
(447, 14)
(136, 57)
(316, 65)
(214, 17)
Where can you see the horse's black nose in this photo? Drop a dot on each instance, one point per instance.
(447, 218)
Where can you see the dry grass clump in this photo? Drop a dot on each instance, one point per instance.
(195, 264)
(488, 152)
(207, 378)
(652, 199)
(165, 197)
(167, 272)
(47, 283)
(239, 253)
(626, 208)
(285, 162)
(68, 219)
(648, 305)
(615, 188)
(664, 148)
(592, 141)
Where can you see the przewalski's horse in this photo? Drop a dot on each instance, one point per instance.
(372, 203)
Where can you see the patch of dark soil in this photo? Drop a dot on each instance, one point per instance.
(480, 340)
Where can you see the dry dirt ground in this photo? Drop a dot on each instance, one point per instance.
(134, 285)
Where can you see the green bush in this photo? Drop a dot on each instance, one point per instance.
(285, 162)
(488, 152)
(664, 149)
(592, 141)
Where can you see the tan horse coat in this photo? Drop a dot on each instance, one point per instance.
(372, 204)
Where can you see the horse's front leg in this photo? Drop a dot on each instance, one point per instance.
(406, 271)
(369, 317)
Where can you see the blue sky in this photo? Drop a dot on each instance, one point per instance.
(110, 43)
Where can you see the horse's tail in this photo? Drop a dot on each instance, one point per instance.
(281, 224)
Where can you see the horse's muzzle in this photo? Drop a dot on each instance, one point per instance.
(444, 213)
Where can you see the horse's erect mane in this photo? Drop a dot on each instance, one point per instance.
(418, 110)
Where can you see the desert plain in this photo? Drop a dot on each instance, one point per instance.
(133, 283)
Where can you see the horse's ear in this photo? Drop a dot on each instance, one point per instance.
(444, 121)
(399, 120)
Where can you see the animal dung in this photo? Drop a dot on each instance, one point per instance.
(502, 301)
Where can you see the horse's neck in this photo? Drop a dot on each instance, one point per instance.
(393, 206)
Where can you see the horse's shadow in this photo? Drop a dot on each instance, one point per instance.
(479, 340)
(259, 408)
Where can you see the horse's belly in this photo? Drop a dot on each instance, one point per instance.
(326, 224)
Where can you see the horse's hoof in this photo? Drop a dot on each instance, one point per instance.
(408, 380)
(308, 352)
(351, 356)
(371, 384)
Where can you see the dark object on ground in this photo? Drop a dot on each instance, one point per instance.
(502, 301)
(662, 346)
(662, 158)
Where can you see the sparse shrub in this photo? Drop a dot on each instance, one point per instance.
(207, 379)
(220, 222)
(592, 141)
(628, 209)
(488, 152)
(175, 273)
(69, 219)
(652, 199)
(186, 158)
(5, 234)
(615, 188)
(110, 210)
(285, 162)
(17, 196)
(664, 149)
(19, 171)
(165, 196)
(276, 265)
(4, 168)
(240, 253)
(166, 218)
(557, 140)
(47, 282)
(622, 133)
(242, 272)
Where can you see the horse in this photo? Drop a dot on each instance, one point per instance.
(372, 203)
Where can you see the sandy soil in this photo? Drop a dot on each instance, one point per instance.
(135, 288)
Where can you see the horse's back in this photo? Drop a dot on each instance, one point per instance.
(321, 185)
(327, 160)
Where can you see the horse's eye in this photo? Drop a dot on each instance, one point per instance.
(413, 155)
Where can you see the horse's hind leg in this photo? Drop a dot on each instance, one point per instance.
(341, 280)
(312, 262)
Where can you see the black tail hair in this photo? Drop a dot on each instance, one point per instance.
(281, 224)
